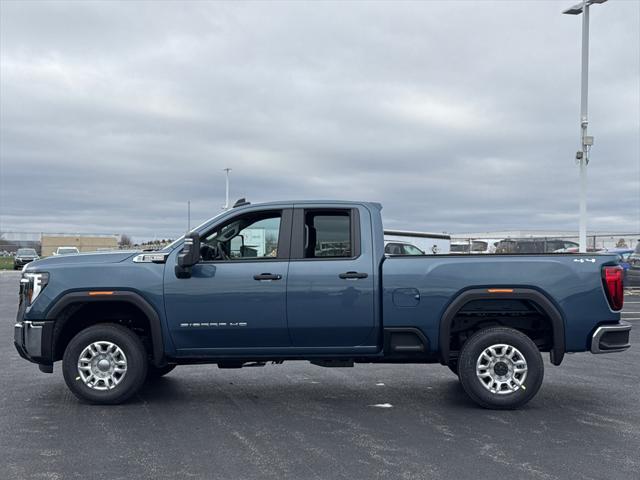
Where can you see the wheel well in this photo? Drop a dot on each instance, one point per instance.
(521, 314)
(78, 316)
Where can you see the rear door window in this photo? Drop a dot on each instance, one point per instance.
(328, 234)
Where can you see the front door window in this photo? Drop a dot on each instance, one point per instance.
(253, 236)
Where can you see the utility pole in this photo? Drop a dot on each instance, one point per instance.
(586, 141)
(188, 215)
(226, 203)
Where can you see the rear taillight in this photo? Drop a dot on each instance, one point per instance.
(612, 280)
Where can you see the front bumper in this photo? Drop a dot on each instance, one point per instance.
(611, 338)
(33, 339)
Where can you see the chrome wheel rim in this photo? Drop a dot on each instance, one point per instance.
(501, 369)
(102, 365)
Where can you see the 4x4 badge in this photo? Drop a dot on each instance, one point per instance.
(582, 260)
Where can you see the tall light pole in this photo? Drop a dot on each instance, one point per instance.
(226, 203)
(586, 141)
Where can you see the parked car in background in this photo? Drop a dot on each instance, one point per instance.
(632, 278)
(429, 243)
(622, 253)
(536, 245)
(401, 248)
(66, 251)
(24, 256)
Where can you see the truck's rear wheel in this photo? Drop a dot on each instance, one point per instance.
(105, 364)
(500, 368)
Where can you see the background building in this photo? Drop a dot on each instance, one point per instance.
(84, 243)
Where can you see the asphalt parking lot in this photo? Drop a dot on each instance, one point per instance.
(298, 421)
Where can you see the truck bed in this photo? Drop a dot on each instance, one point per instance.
(571, 282)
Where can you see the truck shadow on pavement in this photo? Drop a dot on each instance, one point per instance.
(442, 394)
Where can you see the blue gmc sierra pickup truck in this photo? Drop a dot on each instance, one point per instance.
(309, 280)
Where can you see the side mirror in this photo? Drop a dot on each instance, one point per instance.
(189, 256)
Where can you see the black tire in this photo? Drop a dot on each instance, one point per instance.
(154, 372)
(136, 360)
(475, 387)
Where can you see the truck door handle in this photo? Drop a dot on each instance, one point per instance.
(353, 275)
(267, 276)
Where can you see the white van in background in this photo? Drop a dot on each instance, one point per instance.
(66, 251)
(474, 245)
(484, 245)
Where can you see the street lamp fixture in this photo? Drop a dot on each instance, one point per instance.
(577, 9)
(226, 203)
(586, 141)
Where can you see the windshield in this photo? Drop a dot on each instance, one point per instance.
(63, 251)
(26, 251)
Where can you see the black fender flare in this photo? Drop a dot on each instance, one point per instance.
(502, 293)
(126, 296)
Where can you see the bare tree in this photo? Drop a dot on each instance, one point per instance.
(125, 240)
(621, 243)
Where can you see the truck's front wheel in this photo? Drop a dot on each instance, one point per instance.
(500, 368)
(105, 364)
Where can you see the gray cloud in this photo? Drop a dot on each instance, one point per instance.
(455, 115)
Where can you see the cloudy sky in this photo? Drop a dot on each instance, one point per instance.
(457, 116)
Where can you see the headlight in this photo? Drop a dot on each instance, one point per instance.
(31, 285)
